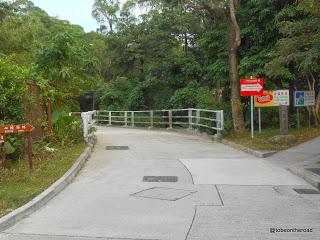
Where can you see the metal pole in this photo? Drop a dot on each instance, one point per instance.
(259, 113)
(298, 118)
(252, 125)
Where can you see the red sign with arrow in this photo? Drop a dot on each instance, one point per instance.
(23, 128)
(251, 86)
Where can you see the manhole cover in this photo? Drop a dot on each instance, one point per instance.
(314, 170)
(161, 193)
(306, 191)
(117, 148)
(160, 179)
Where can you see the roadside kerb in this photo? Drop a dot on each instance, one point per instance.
(39, 201)
(307, 175)
(259, 154)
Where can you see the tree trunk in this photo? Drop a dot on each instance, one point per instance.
(234, 44)
(312, 109)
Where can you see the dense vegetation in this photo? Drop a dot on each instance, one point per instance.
(178, 53)
(175, 54)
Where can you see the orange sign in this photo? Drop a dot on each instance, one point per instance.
(264, 100)
(23, 128)
(272, 99)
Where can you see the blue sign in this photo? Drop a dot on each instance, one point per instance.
(304, 98)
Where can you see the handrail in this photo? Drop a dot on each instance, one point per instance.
(191, 117)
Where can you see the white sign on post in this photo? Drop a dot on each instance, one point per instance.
(281, 98)
(304, 98)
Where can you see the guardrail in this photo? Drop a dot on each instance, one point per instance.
(175, 118)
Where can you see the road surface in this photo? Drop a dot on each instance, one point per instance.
(210, 192)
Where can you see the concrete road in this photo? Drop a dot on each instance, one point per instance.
(215, 192)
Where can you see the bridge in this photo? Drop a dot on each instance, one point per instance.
(148, 184)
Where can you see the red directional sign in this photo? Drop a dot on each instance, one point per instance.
(23, 128)
(251, 86)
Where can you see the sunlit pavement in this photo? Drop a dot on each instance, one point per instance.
(216, 193)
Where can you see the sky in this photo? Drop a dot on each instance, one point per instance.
(75, 11)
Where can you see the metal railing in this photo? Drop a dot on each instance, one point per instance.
(190, 118)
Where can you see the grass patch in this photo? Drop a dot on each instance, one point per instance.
(262, 140)
(18, 186)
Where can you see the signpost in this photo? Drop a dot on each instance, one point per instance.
(23, 128)
(283, 115)
(2, 153)
(271, 99)
(303, 99)
(251, 87)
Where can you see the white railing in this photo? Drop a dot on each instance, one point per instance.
(175, 118)
(184, 118)
(88, 123)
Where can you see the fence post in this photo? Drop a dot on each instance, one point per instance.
(85, 125)
(190, 118)
(222, 120)
(218, 122)
(132, 119)
(110, 119)
(170, 119)
(151, 119)
(126, 119)
(197, 118)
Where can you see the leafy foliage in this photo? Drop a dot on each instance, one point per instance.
(13, 84)
(175, 54)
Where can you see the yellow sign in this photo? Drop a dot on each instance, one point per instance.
(272, 99)
(265, 100)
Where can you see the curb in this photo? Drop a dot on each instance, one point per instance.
(259, 154)
(39, 201)
(307, 175)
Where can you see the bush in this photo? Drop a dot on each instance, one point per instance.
(13, 85)
(67, 129)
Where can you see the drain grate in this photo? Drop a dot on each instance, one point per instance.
(117, 147)
(314, 170)
(160, 179)
(306, 191)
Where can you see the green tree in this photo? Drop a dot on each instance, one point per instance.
(297, 56)
(105, 12)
